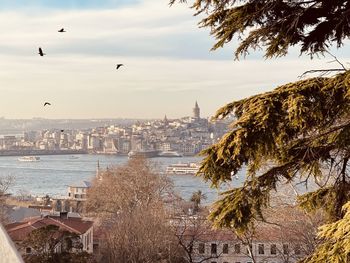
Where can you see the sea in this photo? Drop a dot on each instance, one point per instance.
(54, 173)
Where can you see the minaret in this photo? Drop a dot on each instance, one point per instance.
(196, 111)
(98, 176)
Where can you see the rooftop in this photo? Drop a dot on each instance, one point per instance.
(81, 184)
(19, 231)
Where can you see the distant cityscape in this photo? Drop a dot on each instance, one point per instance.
(186, 136)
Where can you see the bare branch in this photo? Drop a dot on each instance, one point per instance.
(336, 60)
(322, 72)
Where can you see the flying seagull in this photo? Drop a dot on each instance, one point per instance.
(119, 65)
(47, 103)
(41, 53)
(62, 30)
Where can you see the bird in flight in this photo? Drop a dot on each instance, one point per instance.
(47, 103)
(119, 65)
(62, 30)
(41, 53)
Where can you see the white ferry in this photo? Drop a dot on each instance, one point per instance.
(169, 154)
(182, 169)
(144, 154)
(29, 159)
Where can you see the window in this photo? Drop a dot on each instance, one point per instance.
(285, 249)
(28, 250)
(297, 250)
(273, 249)
(96, 247)
(261, 250)
(201, 248)
(213, 248)
(237, 248)
(225, 249)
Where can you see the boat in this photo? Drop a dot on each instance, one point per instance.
(182, 169)
(29, 159)
(144, 154)
(169, 154)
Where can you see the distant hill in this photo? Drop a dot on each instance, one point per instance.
(17, 126)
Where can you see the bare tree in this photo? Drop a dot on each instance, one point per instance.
(128, 201)
(5, 183)
(289, 233)
(190, 232)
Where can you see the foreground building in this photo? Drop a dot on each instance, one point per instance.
(267, 244)
(222, 246)
(20, 230)
(8, 251)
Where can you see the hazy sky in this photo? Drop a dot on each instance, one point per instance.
(168, 65)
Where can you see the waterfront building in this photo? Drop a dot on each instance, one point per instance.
(110, 145)
(77, 191)
(30, 136)
(95, 143)
(9, 142)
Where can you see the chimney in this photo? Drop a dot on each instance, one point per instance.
(64, 215)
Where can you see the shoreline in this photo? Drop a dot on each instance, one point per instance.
(40, 152)
(4, 153)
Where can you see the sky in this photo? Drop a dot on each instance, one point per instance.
(167, 58)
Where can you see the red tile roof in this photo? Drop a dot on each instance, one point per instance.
(19, 231)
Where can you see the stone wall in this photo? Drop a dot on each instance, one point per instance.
(8, 251)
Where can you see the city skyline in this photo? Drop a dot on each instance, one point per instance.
(168, 65)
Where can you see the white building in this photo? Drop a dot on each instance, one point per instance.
(77, 191)
(269, 244)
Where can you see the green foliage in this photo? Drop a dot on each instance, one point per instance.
(336, 245)
(276, 24)
(197, 198)
(296, 132)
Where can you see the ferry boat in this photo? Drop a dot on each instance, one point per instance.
(144, 154)
(169, 154)
(29, 159)
(182, 169)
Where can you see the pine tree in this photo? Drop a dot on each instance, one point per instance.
(336, 245)
(276, 24)
(297, 132)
